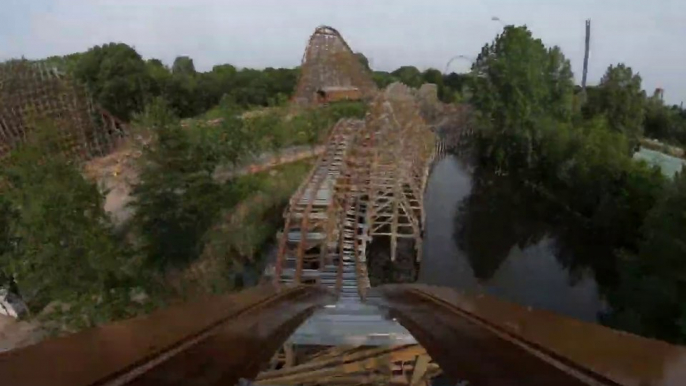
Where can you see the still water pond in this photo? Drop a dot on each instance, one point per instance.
(485, 234)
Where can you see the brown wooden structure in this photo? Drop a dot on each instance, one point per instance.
(34, 94)
(336, 94)
(369, 184)
(329, 63)
(473, 340)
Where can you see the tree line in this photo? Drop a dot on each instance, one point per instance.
(122, 82)
(576, 148)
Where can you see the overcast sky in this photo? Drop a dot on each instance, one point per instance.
(648, 35)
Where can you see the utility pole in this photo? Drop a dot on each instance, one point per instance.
(588, 48)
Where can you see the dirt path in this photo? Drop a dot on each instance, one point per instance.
(116, 173)
(15, 333)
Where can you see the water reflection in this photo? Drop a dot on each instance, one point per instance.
(494, 220)
(488, 234)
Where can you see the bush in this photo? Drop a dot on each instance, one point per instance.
(275, 129)
(176, 198)
(117, 77)
(58, 242)
(650, 299)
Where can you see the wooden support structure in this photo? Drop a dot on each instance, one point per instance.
(396, 152)
(369, 183)
(309, 242)
(329, 63)
(34, 95)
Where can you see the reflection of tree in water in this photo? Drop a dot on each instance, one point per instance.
(578, 250)
(500, 213)
(496, 216)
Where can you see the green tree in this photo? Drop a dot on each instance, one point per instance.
(665, 123)
(160, 77)
(183, 65)
(61, 243)
(177, 198)
(455, 87)
(516, 82)
(651, 298)
(560, 84)
(363, 59)
(620, 98)
(409, 75)
(5, 238)
(117, 77)
(383, 78)
(434, 76)
(181, 93)
(280, 81)
(66, 63)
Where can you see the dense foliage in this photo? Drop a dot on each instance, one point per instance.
(663, 122)
(176, 198)
(116, 76)
(58, 245)
(517, 82)
(178, 195)
(650, 298)
(619, 98)
(581, 159)
(123, 82)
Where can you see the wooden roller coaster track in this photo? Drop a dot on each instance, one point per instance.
(368, 184)
(328, 61)
(34, 94)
